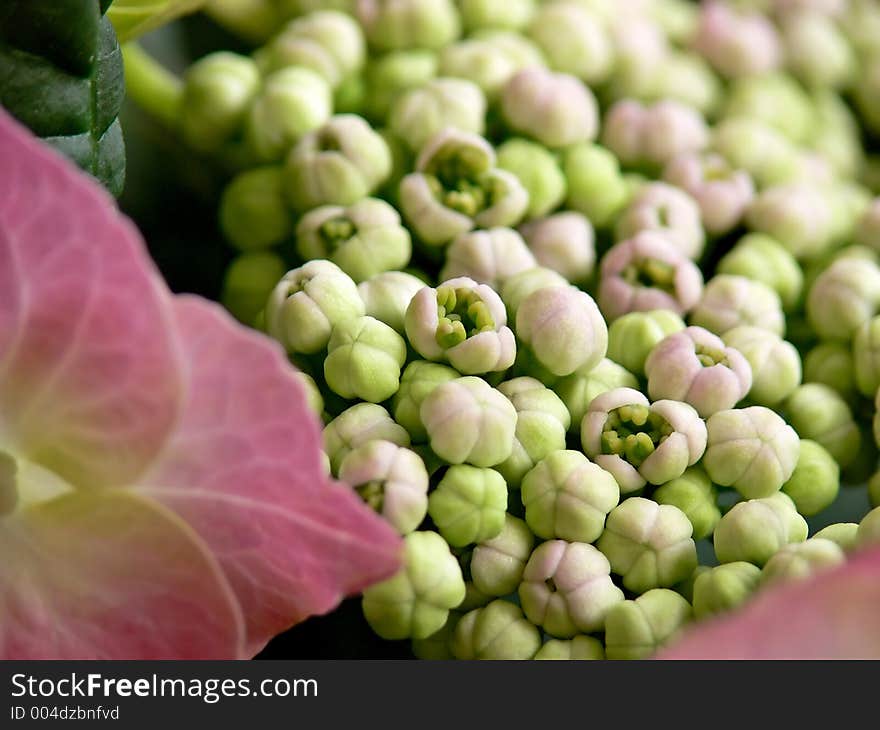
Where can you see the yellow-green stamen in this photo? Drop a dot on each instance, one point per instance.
(461, 313)
(650, 273)
(336, 231)
(634, 432)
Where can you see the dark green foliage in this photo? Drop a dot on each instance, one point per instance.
(61, 75)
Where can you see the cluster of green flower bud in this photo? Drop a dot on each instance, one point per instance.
(589, 300)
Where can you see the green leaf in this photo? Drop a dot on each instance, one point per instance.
(132, 18)
(61, 75)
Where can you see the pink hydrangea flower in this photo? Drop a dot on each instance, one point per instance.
(167, 498)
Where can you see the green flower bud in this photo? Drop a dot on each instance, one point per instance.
(666, 74)
(364, 357)
(467, 420)
(865, 91)
(555, 109)
(423, 111)
(314, 399)
(836, 136)
(497, 564)
(415, 603)
(843, 297)
(761, 258)
(217, 92)
(567, 588)
(774, 362)
(359, 425)
(753, 531)
(518, 287)
(817, 412)
(308, 302)
(516, 46)
(350, 96)
(756, 147)
(815, 482)
(396, 24)
(328, 42)
(565, 243)
(574, 40)
(295, 8)
(774, 99)
(636, 629)
(419, 379)
(364, 239)
(473, 598)
(724, 588)
(438, 646)
(292, 102)
(596, 186)
(817, 51)
(456, 187)
(253, 210)
(579, 648)
(686, 588)
(248, 282)
(389, 76)
(527, 365)
(387, 295)
(338, 164)
(750, 449)
(567, 496)
(695, 495)
(497, 631)
(539, 172)
(632, 336)
(678, 19)
(730, 301)
(563, 328)
(868, 233)
(831, 363)
(468, 505)
(845, 534)
(798, 215)
(500, 14)
(801, 560)
(541, 423)
(489, 257)
(869, 528)
(866, 357)
(391, 479)
(484, 62)
(648, 544)
(579, 389)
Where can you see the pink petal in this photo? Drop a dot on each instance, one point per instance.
(108, 575)
(244, 470)
(89, 381)
(833, 615)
